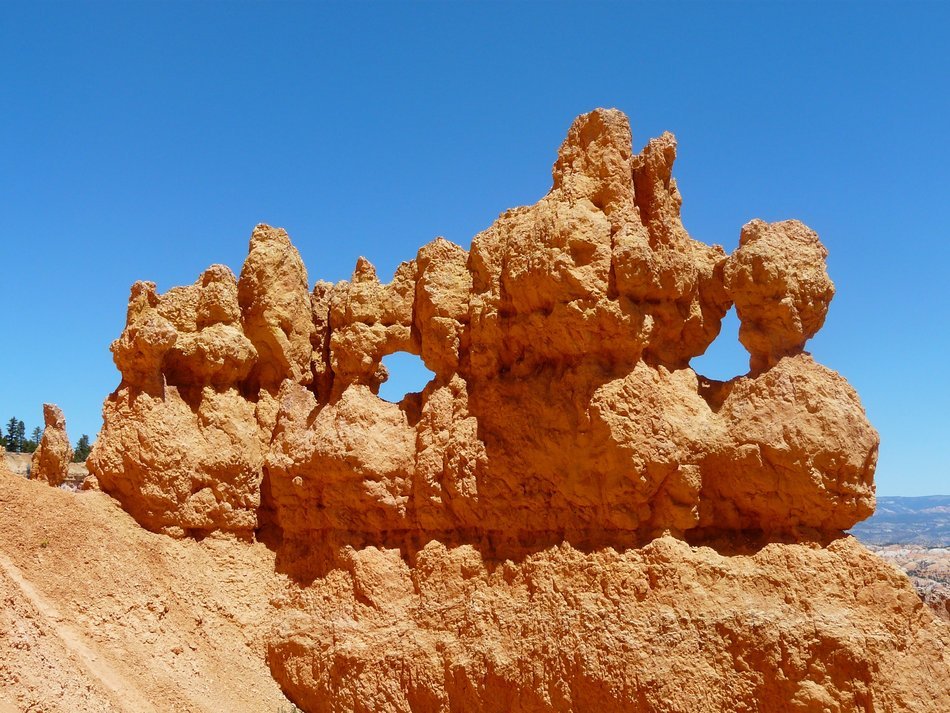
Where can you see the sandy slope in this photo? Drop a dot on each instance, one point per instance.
(100, 615)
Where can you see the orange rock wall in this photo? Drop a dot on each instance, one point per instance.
(666, 628)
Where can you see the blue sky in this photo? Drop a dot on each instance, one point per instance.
(145, 140)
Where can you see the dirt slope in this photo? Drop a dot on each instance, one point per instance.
(101, 615)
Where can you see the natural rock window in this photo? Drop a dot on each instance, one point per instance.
(407, 374)
(725, 358)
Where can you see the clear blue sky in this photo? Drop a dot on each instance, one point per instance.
(145, 140)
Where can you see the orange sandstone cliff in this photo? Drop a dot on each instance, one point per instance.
(568, 517)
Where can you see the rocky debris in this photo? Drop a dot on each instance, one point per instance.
(20, 464)
(90, 482)
(514, 537)
(50, 462)
(100, 616)
(935, 595)
(16, 463)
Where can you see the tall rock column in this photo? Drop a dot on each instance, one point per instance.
(51, 459)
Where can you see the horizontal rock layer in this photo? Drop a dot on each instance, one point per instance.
(668, 628)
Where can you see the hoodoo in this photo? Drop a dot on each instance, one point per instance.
(52, 457)
(568, 517)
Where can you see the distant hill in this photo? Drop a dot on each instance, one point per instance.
(923, 521)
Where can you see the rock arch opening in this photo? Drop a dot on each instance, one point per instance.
(725, 358)
(407, 375)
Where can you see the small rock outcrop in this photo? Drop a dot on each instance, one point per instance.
(566, 502)
(51, 459)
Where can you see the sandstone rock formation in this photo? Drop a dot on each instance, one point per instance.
(491, 543)
(928, 569)
(666, 627)
(52, 457)
(182, 446)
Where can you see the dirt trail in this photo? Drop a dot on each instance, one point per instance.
(125, 695)
(99, 615)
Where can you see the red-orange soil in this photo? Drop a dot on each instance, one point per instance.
(101, 615)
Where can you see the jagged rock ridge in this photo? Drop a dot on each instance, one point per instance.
(563, 426)
(562, 398)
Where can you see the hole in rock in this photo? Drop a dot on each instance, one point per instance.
(725, 358)
(407, 374)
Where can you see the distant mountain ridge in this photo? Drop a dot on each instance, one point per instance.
(923, 521)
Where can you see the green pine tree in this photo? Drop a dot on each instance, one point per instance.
(82, 449)
(11, 438)
(33, 442)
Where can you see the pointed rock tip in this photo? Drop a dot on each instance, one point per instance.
(595, 159)
(601, 122)
(53, 416)
(364, 271)
(599, 129)
(264, 233)
(437, 249)
(217, 273)
(660, 150)
(143, 286)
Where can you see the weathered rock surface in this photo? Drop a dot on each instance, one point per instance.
(781, 290)
(667, 627)
(514, 537)
(97, 615)
(51, 459)
(928, 569)
(562, 400)
(181, 445)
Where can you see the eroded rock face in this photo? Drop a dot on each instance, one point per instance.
(274, 298)
(51, 459)
(781, 290)
(563, 400)
(182, 445)
(480, 545)
(659, 629)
